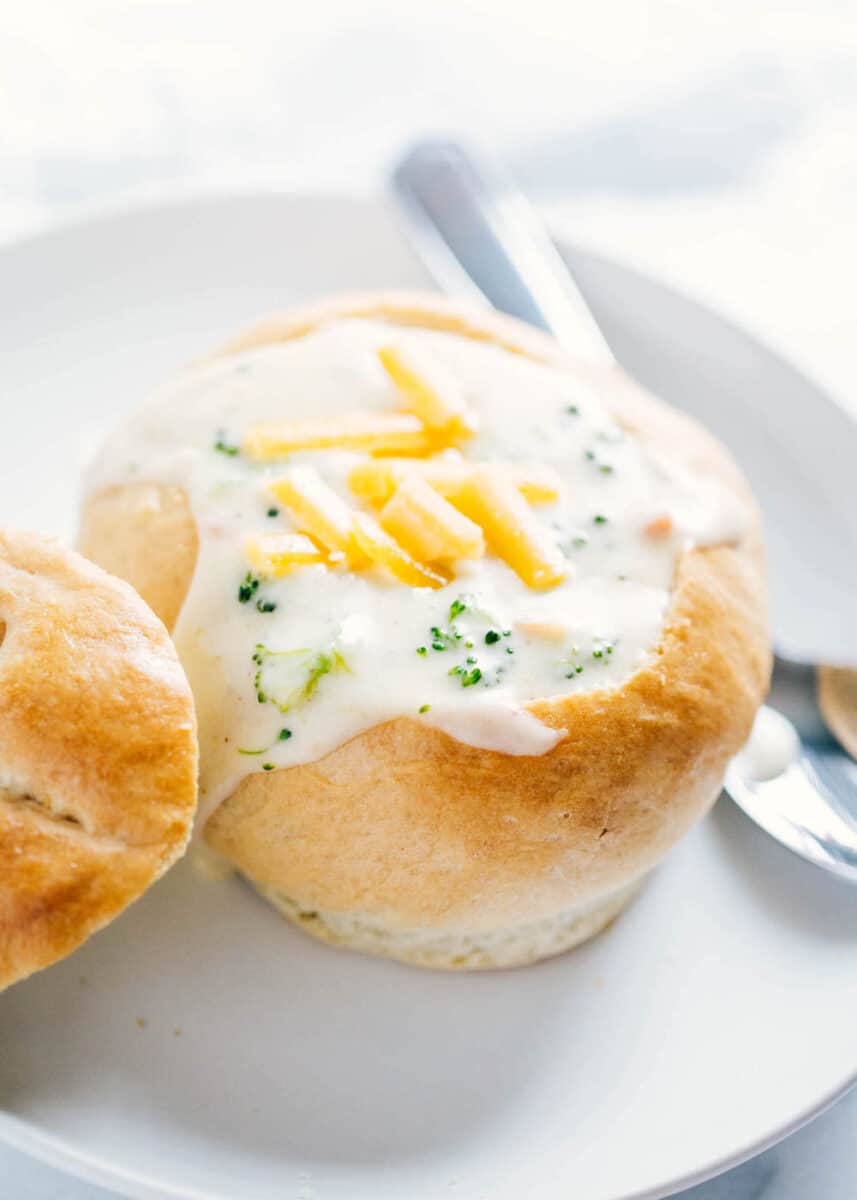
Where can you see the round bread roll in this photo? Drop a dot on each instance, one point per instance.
(97, 751)
(405, 841)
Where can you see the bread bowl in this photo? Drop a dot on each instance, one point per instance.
(299, 508)
(97, 746)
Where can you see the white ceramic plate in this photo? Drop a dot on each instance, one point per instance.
(202, 1047)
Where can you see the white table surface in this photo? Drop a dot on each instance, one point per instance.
(712, 145)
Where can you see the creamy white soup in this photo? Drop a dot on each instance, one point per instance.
(288, 658)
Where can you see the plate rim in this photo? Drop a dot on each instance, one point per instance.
(32, 1140)
(58, 1152)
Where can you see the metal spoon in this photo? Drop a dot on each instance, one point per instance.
(478, 236)
(793, 779)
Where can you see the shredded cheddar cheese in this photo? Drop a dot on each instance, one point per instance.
(428, 526)
(275, 554)
(511, 530)
(317, 510)
(373, 432)
(440, 405)
(384, 550)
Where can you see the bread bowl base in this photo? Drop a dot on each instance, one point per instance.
(457, 951)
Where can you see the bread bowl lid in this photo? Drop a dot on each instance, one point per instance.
(98, 751)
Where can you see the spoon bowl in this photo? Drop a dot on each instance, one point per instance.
(795, 789)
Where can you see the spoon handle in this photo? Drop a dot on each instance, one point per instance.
(479, 236)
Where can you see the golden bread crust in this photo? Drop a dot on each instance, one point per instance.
(416, 830)
(145, 534)
(97, 751)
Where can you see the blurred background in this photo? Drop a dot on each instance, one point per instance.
(713, 145)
